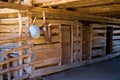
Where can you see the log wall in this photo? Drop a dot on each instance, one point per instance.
(86, 42)
(98, 39)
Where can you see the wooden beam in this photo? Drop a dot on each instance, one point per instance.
(14, 6)
(70, 15)
(78, 3)
(51, 2)
(101, 9)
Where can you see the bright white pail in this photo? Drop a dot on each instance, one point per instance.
(34, 31)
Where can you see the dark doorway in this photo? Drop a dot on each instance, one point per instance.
(109, 35)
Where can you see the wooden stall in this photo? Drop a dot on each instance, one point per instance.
(68, 38)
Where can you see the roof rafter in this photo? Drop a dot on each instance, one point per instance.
(14, 6)
(101, 9)
(78, 3)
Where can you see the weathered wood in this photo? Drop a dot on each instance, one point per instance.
(42, 40)
(76, 3)
(14, 40)
(46, 62)
(14, 6)
(54, 69)
(48, 53)
(20, 42)
(101, 9)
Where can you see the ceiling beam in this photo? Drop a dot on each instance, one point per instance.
(14, 6)
(59, 14)
(79, 3)
(101, 9)
(53, 2)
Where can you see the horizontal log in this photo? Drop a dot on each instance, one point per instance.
(14, 68)
(45, 46)
(15, 50)
(98, 38)
(14, 59)
(116, 42)
(14, 40)
(11, 21)
(101, 9)
(116, 37)
(8, 45)
(116, 31)
(42, 40)
(98, 25)
(46, 62)
(99, 31)
(98, 52)
(48, 53)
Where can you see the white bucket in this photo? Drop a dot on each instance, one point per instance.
(34, 31)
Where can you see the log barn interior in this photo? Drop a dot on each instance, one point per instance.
(72, 33)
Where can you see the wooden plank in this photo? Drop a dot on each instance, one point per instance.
(14, 6)
(116, 31)
(14, 59)
(101, 9)
(45, 46)
(14, 68)
(115, 42)
(98, 52)
(15, 50)
(46, 62)
(88, 3)
(12, 40)
(48, 53)
(42, 40)
(76, 3)
(54, 69)
(10, 21)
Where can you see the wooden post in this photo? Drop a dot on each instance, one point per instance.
(16, 71)
(80, 39)
(72, 42)
(1, 75)
(20, 42)
(27, 24)
(60, 44)
(90, 32)
(8, 73)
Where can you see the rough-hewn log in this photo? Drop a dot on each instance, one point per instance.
(101, 9)
(14, 6)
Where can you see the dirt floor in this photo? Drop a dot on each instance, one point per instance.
(106, 70)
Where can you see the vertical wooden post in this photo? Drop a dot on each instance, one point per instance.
(60, 44)
(72, 42)
(27, 24)
(1, 75)
(20, 42)
(8, 73)
(90, 32)
(16, 71)
(80, 39)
